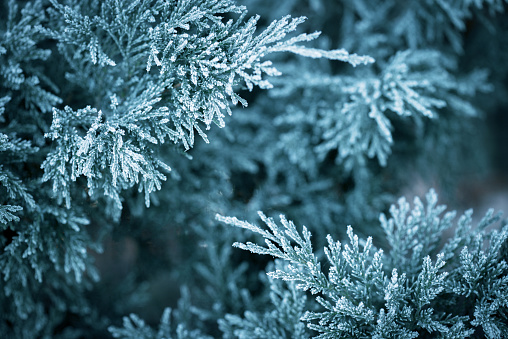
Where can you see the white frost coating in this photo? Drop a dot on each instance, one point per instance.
(336, 54)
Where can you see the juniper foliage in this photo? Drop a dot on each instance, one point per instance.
(409, 293)
(126, 126)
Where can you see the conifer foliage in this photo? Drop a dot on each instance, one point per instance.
(365, 295)
(137, 122)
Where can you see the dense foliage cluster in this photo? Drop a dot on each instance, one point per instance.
(361, 300)
(131, 133)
